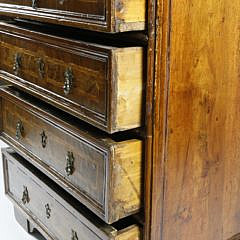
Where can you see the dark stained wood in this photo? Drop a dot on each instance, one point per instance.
(100, 15)
(106, 90)
(65, 219)
(99, 162)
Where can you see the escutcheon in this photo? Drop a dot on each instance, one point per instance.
(70, 163)
(44, 139)
(68, 77)
(48, 211)
(25, 196)
(17, 63)
(19, 130)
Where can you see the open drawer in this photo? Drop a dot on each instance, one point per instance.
(55, 213)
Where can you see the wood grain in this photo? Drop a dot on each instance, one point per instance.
(193, 175)
(106, 174)
(202, 162)
(127, 168)
(129, 88)
(65, 216)
(156, 115)
(106, 90)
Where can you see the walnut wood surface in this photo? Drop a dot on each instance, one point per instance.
(64, 217)
(107, 174)
(202, 164)
(107, 85)
(100, 15)
(195, 175)
(156, 112)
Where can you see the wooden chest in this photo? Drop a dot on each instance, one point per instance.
(100, 15)
(103, 173)
(56, 215)
(177, 95)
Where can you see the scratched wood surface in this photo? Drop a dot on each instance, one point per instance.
(202, 167)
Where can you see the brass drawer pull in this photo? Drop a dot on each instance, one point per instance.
(25, 196)
(34, 4)
(17, 63)
(19, 130)
(44, 139)
(70, 163)
(41, 67)
(74, 235)
(68, 76)
(48, 211)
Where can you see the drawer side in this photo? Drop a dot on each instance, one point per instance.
(126, 175)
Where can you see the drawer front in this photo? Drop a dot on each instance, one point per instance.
(79, 78)
(52, 209)
(94, 83)
(28, 192)
(99, 15)
(78, 161)
(49, 212)
(102, 173)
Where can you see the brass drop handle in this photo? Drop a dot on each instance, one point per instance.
(43, 139)
(41, 67)
(19, 130)
(48, 211)
(25, 196)
(34, 4)
(17, 63)
(74, 235)
(70, 163)
(68, 80)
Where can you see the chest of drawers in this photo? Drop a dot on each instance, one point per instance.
(128, 108)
